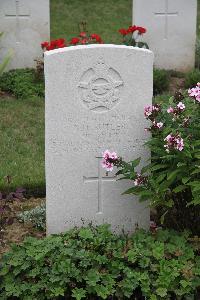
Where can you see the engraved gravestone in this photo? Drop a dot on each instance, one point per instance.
(95, 97)
(171, 31)
(25, 25)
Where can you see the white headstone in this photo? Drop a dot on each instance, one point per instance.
(25, 25)
(95, 96)
(171, 31)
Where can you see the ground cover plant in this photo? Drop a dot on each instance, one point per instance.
(36, 216)
(93, 263)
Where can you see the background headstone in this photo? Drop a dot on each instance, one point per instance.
(25, 25)
(171, 31)
(95, 97)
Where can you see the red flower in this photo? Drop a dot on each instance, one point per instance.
(132, 29)
(74, 41)
(55, 44)
(44, 45)
(123, 31)
(141, 30)
(60, 43)
(83, 34)
(50, 47)
(96, 37)
(84, 41)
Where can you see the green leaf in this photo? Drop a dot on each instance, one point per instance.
(92, 277)
(158, 167)
(78, 293)
(132, 190)
(185, 283)
(162, 292)
(180, 188)
(172, 175)
(194, 183)
(185, 179)
(86, 233)
(180, 164)
(162, 218)
(194, 202)
(160, 178)
(196, 171)
(153, 297)
(135, 162)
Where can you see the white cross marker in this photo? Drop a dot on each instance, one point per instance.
(17, 16)
(166, 15)
(100, 179)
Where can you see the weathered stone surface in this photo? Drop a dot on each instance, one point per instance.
(171, 31)
(95, 97)
(25, 25)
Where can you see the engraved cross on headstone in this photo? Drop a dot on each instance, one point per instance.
(17, 15)
(166, 14)
(100, 179)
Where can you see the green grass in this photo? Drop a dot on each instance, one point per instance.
(104, 17)
(22, 121)
(22, 144)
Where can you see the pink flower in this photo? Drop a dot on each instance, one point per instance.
(170, 110)
(107, 165)
(174, 142)
(108, 160)
(159, 125)
(195, 92)
(179, 144)
(181, 106)
(169, 138)
(139, 180)
(147, 110)
(151, 110)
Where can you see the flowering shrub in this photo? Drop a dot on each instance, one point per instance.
(132, 36)
(171, 181)
(83, 39)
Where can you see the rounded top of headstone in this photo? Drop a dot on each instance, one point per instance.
(97, 46)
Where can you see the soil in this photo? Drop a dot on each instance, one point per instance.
(16, 232)
(6, 96)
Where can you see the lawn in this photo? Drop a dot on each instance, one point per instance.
(22, 121)
(104, 17)
(22, 144)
